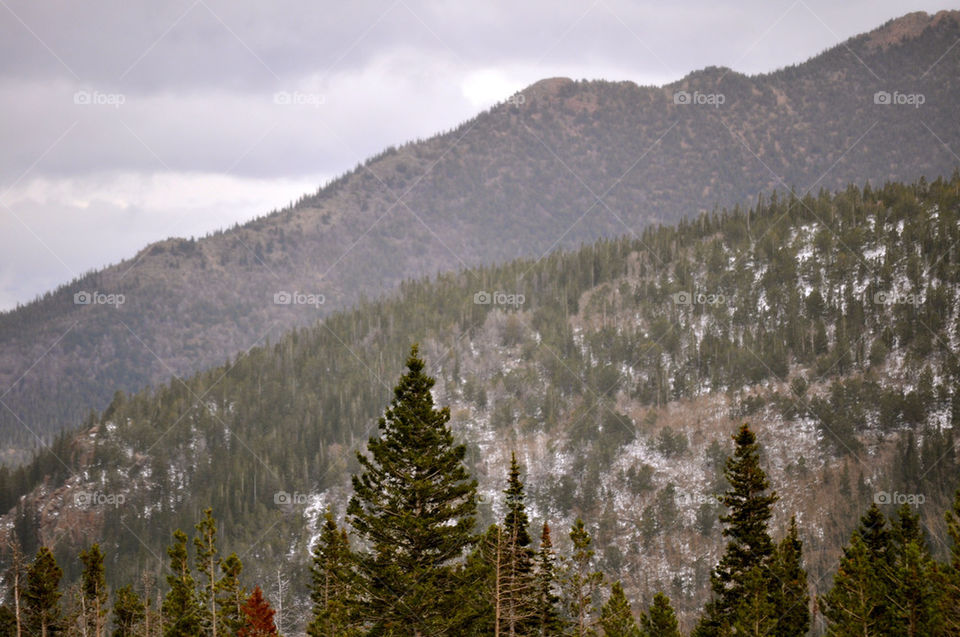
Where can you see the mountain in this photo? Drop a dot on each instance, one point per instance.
(559, 164)
(616, 373)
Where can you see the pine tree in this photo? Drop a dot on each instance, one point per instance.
(753, 612)
(181, 609)
(414, 504)
(208, 564)
(581, 582)
(258, 616)
(791, 594)
(517, 587)
(331, 591)
(660, 620)
(549, 622)
(93, 589)
(129, 613)
(616, 618)
(230, 595)
(41, 595)
(749, 548)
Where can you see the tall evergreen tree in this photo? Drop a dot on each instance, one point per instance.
(129, 613)
(414, 504)
(181, 609)
(93, 589)
(791, 594)
(581, 581)
(517, 586)
(950, 572)
(855, 604)
(230, 594)
(660, 620)
(549, 620)
(208, 566)
(41, 595)
(257, 616)
(616, 618)
(917, 598)
(332, 582)
(749, 547)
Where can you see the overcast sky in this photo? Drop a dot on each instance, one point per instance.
(129, 121)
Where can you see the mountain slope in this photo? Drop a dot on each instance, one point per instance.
(563, 163)
(617, 374)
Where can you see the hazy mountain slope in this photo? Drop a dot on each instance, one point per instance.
(518, 180)
(831, 323)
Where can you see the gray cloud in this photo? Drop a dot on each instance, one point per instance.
(185, 92)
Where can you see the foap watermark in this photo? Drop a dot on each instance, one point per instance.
(298, 298)
(498, 298)
(700, 298)
(90, 499)
(85, 97)
(885, 497)
(297, 98)
(894, 298)
(886, 98)
(683, 98)
(517, 99)
(285, 498)
(98, 298)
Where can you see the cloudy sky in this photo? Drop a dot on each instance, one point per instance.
(129, 121)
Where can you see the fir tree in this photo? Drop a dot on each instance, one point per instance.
(660, 620)
(41, 595)
(331, 591)
(414, 504)
(129, 613)
(257, 616)
(181, 608)
(749, 548)
(950, 573)
(791, 595)
(230, 594)
(916, 600)
(94, 591)
(549, 622)
(616, 618)
(581, 582)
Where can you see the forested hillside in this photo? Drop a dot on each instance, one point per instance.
(616, 373)
(560, 164)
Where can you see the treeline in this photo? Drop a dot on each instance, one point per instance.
(410, 561)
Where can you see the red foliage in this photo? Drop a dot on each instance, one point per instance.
(257, 616)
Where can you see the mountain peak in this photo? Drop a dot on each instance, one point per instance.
(907, 27)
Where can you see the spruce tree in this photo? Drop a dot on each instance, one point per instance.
(749, 548)
(257, 616)
(917, 598)
(660, 620)
(129, 613)
(332, 582)
(616, 618)
(950, 573)
(414, 505)
(581, 581)
(181, 608)
(791, 594)
(208, 566)
(93, 588)
(856, 603)
(549, 622)
(41, 595)
(517, 586)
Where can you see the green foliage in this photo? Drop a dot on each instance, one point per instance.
(660, 619)
(129, 613)
(182, 609)
(414, 505)
(616, 618)
(332, 591)
(581, 582)
(42, 615)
